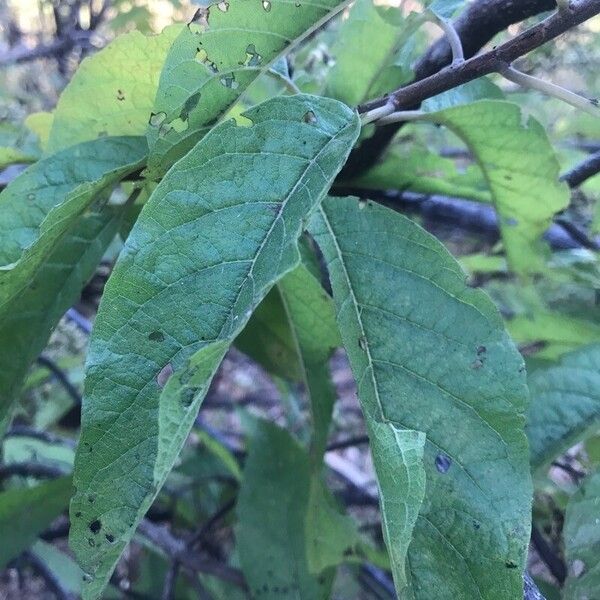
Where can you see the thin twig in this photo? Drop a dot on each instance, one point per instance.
(551, 559)
(177, 550)
(583, 171)
(493, 61)
(43, 436)
(61, 377)
(30, 469)
(360, 440)
(458, 55)
(551, 89)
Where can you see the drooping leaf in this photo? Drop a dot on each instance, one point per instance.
(582, 542)
(46, 252)
(272, 508)
(521, 169)
(310, 315)
(214, 59)
(219, 230)
(565, 404)
(268, 340)
(331, 537)
(112, 91)
(26, 512)
(447, 368)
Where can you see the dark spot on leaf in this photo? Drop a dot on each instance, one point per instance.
(476, 525)
(309, 117)
(481, 350)
(120, 95)
(78, 514)
(508, 177)
(187, 396)
(91, 499)
(443, 463)
(510, 564)
(110, 538)
(190, 105)
(95, 526)
(156, 336)
(163, 375)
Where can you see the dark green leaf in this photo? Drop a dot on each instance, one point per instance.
(582, 542)
(26, 512)
(565, 404)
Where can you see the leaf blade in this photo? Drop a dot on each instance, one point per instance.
(368, 248)
(141, 398)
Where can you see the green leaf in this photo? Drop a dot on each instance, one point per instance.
(16, 146)
(444, 367)
(420, 170)
(582, 542)
(46, 252)
(565, 404)
(268, 340)
(112, 91)
(211, 246)
(65, 569)
(271, 508)
(522, 172)
(555, 332)
(214, 59)
(331, 537)
(26, 512)
(310, 314)
(361, 57)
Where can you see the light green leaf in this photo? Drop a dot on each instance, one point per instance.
(16, 146)
(444, 367)
(63, 567)
(26, 512)
(271, 508)
(211, 246)
(213, 61)
(565, 404)
(521, 169)
(556, 333)
(45, 254)
(310, 314)
(112, 91)
(419, 170)
(362, 57)
(331, 537)
(582, 542)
